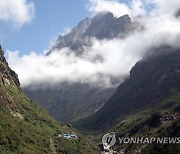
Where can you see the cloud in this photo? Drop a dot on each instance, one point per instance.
(105, 59)
(18, 12)
(134, 8)
(164, 7)
(65, 66)
(118, 9)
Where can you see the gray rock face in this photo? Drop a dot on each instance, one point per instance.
(73, 39)
(103, 26)
(69, 103)
(6, 74)
(99, 22)
(120, 28)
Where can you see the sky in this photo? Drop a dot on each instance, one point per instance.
(32, 26)
(49, 20)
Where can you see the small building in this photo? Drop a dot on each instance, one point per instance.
(67, 136)
(74, 136)
(70, 136)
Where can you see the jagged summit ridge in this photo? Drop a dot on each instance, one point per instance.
(103, 26)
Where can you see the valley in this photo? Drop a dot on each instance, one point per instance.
(90, 77)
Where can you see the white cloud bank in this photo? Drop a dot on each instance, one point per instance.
(64, 65)
(117, 56)
(134, 8)
(19, 12)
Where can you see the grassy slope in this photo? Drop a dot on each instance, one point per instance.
(144, 124)
(26, 128)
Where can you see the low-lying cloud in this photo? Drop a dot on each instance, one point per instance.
(105, 59)
(98, 64)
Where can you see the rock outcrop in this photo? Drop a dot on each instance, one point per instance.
(7, 75)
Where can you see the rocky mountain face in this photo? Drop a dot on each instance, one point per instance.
(8, 76)
(103, 26)
(70, 102)
(151, 81)
(27, 128)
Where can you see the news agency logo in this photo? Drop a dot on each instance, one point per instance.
(109, 139)
(149, 140)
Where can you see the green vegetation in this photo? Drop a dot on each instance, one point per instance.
(149, 124)
(27, 128)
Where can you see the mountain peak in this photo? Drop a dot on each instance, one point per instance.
(104, 14)
(85, 21)
(103, 26)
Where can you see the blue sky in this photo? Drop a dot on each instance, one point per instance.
(51, 18)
